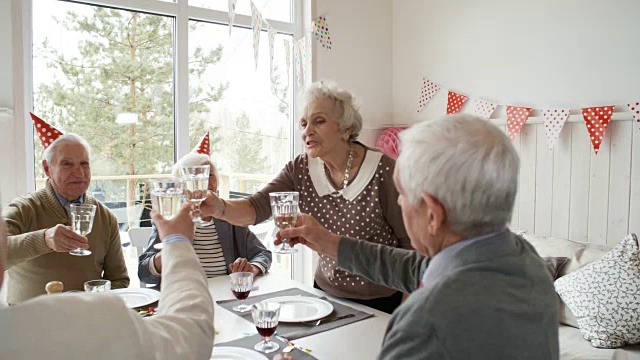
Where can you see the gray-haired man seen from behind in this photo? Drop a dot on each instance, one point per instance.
(478, 291)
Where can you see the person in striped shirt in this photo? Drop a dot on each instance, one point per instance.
(221, 247)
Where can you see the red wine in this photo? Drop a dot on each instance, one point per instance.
(284, 221)
(266, 331)
(241, 295)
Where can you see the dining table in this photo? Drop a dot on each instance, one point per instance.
(357, 340)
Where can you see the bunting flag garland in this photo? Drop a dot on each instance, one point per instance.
(256, 24)
(429, 89)
(232, 14)
(287, 57)
(554, 120)
(516, 116)
(634, 107)
(321, 31)
(597, 119)
(272, 40)
(455, 102)
(484, 109)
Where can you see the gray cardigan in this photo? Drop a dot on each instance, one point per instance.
(236, 241)
(495, 300)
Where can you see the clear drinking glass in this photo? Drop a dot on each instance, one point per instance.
(196, 180)
(284, 206)
(166, 197)
(241, 284)
(81, 223)
(97, 285)
(265, 316)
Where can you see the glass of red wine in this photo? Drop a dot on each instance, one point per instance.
(241, 283)
(265, 316)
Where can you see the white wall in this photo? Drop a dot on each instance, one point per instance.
(360, 59)
(7, 143)
(540, 53)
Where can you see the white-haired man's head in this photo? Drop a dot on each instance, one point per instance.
(195, 159)
(67, 164)
(349, 117)
(467, 165)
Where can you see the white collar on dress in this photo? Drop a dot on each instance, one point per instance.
(324, 187)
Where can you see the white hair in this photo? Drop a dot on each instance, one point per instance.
(343, 100)
(466, 163)
(194, 159)
(49, 153)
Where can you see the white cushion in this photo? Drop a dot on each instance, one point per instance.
(604, 296)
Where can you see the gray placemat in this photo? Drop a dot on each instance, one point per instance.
(293, 331)
(250, 341)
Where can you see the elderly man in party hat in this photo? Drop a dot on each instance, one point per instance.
(222, 248)
(40, 239)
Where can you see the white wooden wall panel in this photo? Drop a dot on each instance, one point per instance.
(561, 186)
(544, 183)
(619, 180)
(573, 193)
(580, 184)
(527, 188)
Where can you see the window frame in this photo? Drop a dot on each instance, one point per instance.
(182, 14)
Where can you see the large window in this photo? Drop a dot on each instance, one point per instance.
(113, 75)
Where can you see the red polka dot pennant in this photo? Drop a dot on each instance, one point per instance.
(516, 116)
(429, 89)
(321, 32)
(597, 120)
(46, 133)
(634, 107)
(455, 102)
(554, 120)
(484, 109)
(203, 147)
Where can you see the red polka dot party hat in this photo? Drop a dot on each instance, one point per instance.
(203, 146)
(46, 133)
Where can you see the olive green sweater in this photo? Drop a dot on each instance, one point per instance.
(30, 262)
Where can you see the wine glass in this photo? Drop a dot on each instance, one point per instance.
(81, 223)
(265, 316)
(284, 206)
(196, 180)
(241, 283)
(166, 197)
(97, 285)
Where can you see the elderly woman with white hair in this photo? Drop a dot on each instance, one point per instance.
(346, 185)
(221, 247)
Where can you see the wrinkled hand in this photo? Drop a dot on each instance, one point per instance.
(212, 206)
(179, 224)
(243, 265)
(283, 357)
(310, 233)
(61, 238)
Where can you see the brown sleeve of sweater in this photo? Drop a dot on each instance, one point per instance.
(22, 245)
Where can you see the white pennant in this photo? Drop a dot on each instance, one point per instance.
(287, 57)
(634, 107)
(554, 120)
(429, 89)
(256, 24)
(232, 14)
(484, 109)
(272, 40)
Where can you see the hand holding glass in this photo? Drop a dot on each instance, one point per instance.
(241, 284)
(196, 180)
(284, 206)
(81, 223)
(166, 197)
(265, 316)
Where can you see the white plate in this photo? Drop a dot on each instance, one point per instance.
(235, 353)
(134, 298)
(302, 308)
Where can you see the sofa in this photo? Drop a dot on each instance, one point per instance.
(572, 341)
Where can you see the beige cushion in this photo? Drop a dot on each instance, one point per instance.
(579, 254)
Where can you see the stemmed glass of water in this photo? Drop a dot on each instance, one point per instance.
(166, 197)
(81, 223)
(196, 181)
(284, 206)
